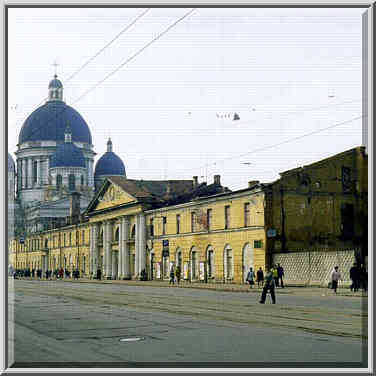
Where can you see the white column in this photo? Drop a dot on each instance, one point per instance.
(125, 248)
(23, 172)
(30, 173)
(142, 240)
(137, 246)
(47, 173)
(38, 172)
(95, 249)
(120, 253)
(108, 250)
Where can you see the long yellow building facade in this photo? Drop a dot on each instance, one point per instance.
(211, 237)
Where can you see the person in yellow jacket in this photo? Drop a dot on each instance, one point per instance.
(275, 275)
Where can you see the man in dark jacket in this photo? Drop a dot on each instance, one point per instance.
(364, 277)
(269, 285)
(355, 277)
(281, 274)
(260, 277)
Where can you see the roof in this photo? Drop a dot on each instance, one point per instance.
(67, 155)
(159, 193)
(48, 122)
(109, 164)
(359, 149)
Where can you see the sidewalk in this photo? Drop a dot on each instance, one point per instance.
(289, 289)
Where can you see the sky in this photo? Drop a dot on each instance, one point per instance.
(287, 73)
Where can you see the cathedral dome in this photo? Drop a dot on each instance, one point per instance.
(47, 122)
(67, 154)
(109, 164)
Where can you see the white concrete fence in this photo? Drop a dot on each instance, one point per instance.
(314, 267)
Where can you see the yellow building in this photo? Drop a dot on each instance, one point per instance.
(211, 233)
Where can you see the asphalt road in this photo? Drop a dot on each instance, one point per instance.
(70, 324)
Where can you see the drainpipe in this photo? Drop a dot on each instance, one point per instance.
(283, 235)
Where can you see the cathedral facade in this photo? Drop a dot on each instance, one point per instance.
(54, 158)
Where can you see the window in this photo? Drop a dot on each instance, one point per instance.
(35, 169)
(64, 239)
(71, 182)
(193, 221)
(346, 179)
(347, 221)
(82, 179)
(164, 225)
(83, 236)
(229, 263)
(117, 235)
(227, 216)
(257, 244)
(77, 237)
(209, 218)
(151, 227)
(178, 223)
(210, 263)
(194, 265)
(246, 214)
(70, 238)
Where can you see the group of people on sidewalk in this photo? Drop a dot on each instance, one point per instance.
(358, 276)
(48, 274)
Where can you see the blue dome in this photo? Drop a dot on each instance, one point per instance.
(67, 155)
(109, 164)
(11, 165)
(48, 122)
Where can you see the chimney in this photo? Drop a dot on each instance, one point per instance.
(252, 183)
(195, 181)
(217, 179)
(74, 207)
(168, 189)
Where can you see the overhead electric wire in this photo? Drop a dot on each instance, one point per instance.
(118, 68)
(275, 145)
(135, 55)
(107, 45)
(101, 50)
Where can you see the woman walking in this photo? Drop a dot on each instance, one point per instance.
(251, 277)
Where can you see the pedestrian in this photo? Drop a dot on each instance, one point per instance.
(172, 275)
(363, 277)
(275, 275)
(99, 274)
(336, 276)
(355, 277)
(61, 273)
(33, 273)
(143, 275)
(269, 285)
(250, 277)
(281, 274)
(177, 273)
(260, 277)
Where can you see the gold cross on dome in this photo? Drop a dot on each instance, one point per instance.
(55, 64)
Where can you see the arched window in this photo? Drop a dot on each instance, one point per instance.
(72, 182)
(194, 264)
(117, 235)
(133, 232)
(82, 179)
(59, 181)
(228, 262)
(210, 262)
